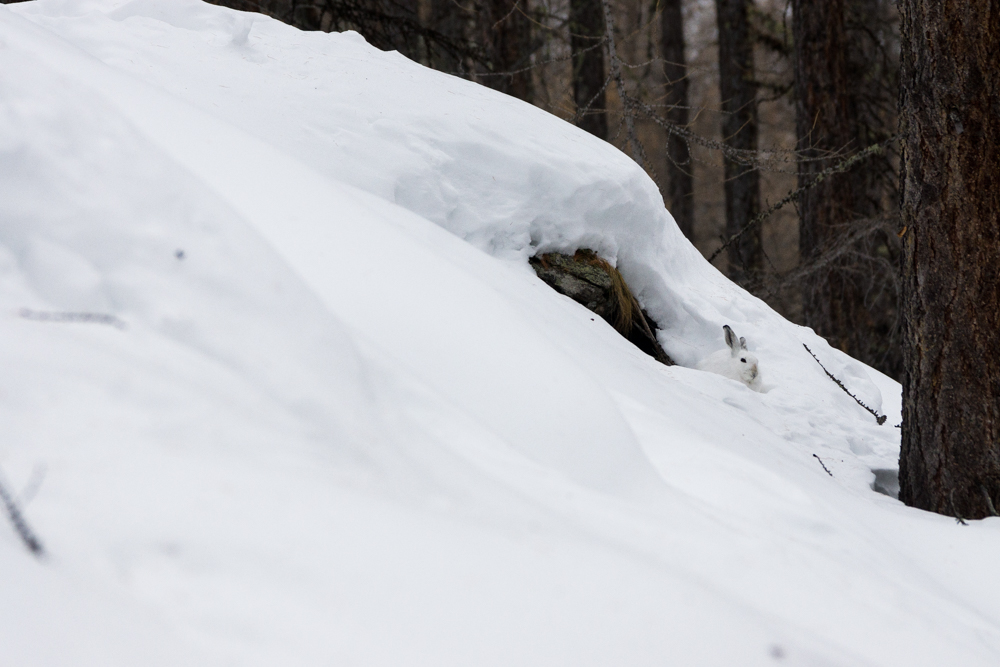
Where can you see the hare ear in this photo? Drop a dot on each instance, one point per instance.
(743, 342)
(730, 338)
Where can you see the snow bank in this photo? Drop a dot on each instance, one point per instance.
(345, 423)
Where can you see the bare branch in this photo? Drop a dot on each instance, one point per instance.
(838, 168)
(18, 521)
(56, 316)
(879, 418)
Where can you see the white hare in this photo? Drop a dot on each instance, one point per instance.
(736, 363)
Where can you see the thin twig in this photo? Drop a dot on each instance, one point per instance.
(536, 65)
(588, 107)
(879, 418)
(954, 510)
(31, 488)
(747, 157)
(54, 316)
(824, 466)
(20, 524)
(838, 246)
(820, 177)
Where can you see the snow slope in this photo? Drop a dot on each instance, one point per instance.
(342, 421)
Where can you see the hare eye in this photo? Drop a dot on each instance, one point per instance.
(743, 360)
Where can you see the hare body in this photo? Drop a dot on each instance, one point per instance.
(736, 363)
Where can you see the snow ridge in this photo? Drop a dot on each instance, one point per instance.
(346, 424)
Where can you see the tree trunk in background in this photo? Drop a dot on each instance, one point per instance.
(586, 32)
(739, 130)
(873, 72)
(279, 9)
(385, 24)
(833, 299)
(505, 31)
(950, 122)
(680, 187)
(453, 19)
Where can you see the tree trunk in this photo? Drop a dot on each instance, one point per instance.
(454, 20)
(586, 32)
(739, 131)
(833, 299)
(680, 188)
(506, 34)
(873, 66)
(950, 123)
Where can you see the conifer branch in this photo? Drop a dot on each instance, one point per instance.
(879, 418)
(824, 465)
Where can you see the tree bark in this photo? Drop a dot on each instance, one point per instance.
(680, 186)
(950, 123)
(739, 130)
(586, 32)
(833, 300)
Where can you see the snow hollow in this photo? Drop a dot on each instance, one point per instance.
(322, 412)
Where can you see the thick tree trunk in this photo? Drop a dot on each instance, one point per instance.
(950, 123)
(506, 35)
(680, 187)
(833, 299)
(586, 32)
(739, 130)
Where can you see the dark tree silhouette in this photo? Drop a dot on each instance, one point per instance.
(739, 131)
(840, 108)
(586, 36)
(950, 121)
(833, 299)
(505, 34)
(680, 186)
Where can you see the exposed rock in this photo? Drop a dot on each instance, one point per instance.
(592, 282)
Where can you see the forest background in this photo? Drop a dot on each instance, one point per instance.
(768, 126)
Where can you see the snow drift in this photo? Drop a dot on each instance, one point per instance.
(345, 424)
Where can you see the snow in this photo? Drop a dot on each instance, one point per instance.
(343, 422)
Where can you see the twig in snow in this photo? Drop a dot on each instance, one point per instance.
(20, 524)
(53, 316)
(824, 466)
(989, 501)
(879, 418)
(958, 517)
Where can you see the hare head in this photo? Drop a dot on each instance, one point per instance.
(736, 363)
(743, 363)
